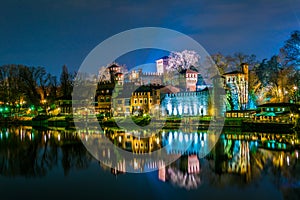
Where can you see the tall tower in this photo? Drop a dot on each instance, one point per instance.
(161, 64)
(244, 86)
(245, 70)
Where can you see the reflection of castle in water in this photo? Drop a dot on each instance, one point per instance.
(43, 150)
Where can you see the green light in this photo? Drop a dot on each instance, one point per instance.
(1, 109)
(6, 108)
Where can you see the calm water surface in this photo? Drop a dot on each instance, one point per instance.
(54, 164)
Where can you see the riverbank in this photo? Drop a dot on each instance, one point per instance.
(168, 123)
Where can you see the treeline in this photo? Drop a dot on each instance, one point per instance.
(275, 79)
(33, 85)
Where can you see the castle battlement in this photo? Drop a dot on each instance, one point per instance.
(152, 74)
(186, 94)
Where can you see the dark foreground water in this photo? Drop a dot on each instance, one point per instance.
(54, 164)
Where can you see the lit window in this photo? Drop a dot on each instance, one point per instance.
(145, 101)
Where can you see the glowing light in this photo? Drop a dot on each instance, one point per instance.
(195, 109)
(180, 137)
(196, 138)
(1, 136)
(288, 160)
(204, 136)
(157, 140)
(120, 139)
(169, 108)
(297, 154)
(180, 109)
(186, 137)
(170, 138)
(175, 111)
(58, 137)
(202, 143)
(175, 135)
(45, 138)
(273, 145)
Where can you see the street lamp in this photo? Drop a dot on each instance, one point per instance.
(295, 93)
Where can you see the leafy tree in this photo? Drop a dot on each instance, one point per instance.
(66, 83)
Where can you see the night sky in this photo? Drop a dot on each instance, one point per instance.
(52, 33)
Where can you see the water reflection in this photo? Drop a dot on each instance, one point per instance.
(33, 153)
(238, 159)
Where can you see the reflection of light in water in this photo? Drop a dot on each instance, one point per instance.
(196, 138)
(296, 154)
(186, 137)
(86, 138)
(204, 136)
(45, 138)
(180, 137)
(157, 140)
(120, 139)
(6, 134)
(288, 160)
(170, 138)
(183, 180)
(256, 143)
(273, 145)
(202, 143)
(1, 136)
(163, 134)
(175, 135)
(58, 137)
(30, 137)
(191, 137)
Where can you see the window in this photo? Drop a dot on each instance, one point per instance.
(119, 101)
(135, 101)
(141, 101)
(278, 109)
(272, 109)
(150, 101)
(127, 102)
(145, 101)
